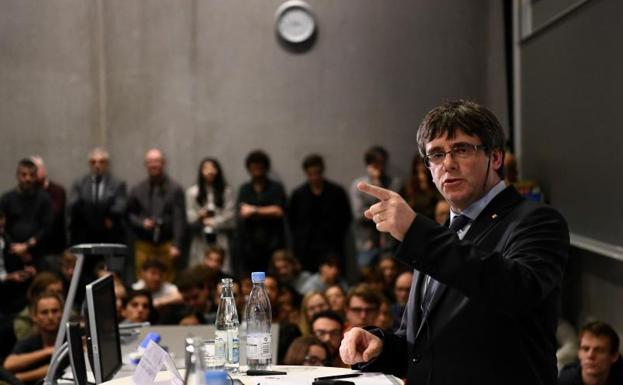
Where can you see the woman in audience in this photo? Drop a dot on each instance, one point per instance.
(210, 211)
(384, 319)
(306, 351)
(419, 191)
(337, 299)
(313, 302)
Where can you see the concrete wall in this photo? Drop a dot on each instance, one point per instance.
(209, 78)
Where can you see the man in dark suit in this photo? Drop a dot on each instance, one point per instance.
(97, 203)
(483, 306)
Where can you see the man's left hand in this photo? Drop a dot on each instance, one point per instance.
(392, 214)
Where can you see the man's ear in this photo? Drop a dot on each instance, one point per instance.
(497, 159)
(614, 357)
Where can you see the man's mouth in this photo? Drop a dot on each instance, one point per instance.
(451, 182)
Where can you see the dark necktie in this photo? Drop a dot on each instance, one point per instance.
(96, 188)
(457, 224)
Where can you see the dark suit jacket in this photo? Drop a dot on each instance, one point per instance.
(494, 317)
(86, 217)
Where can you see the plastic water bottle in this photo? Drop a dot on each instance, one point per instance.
(258, 316)
(227, 340)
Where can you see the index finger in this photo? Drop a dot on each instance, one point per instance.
(375, 191)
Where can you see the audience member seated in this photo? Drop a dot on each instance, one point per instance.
(31, 356)
(289, 303)
(164, 293)
(261, 207)
(210, 211)
(329, 273)
(600, 362)
(55, 242)
(97, 204)
(368, 241)
(306, 351)
(319, 215)
(313, 302)
(388, 268)
(442, 211)
(214, 259)
(328, 327)
(336, 296)
(196, 286)
(362, 306)
(138, 307)
(419, 190)
(157, 216)
(401, 295)
(44, 282)
(287, 269)
(384, 320)
(190, 316)
(29, 217)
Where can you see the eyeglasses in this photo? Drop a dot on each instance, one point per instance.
(313, 360)
(458, 151)
(333, 333)
(363, 309)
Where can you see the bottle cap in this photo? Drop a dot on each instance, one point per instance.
(258, 276)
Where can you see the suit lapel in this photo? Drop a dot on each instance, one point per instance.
(495, 210)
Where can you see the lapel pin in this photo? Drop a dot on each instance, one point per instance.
(494, 216)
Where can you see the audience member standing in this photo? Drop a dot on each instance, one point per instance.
(261, 208)
(97, 204)
(319, 214)
(210, 211)
(57, 239)
(368, 240)
(28, 211)
(157, 215)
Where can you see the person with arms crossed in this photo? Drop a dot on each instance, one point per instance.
(484, 302)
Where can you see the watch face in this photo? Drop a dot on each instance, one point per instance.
(296, 24)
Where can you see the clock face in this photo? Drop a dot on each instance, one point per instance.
(296, 24)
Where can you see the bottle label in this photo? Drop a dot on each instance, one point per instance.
(258, 346)
(220, 341)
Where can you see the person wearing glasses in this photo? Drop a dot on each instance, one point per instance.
(306, 351)
(484, 302)
(362, 305)
(328, 327)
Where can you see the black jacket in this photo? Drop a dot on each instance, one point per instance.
(493, 319)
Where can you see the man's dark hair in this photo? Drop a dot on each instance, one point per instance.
(313, 160)
(375, 154)
(154, 263)
(366, 293)
(26, 163)
(258, 156)
(331, 259)
(187, 280)
(139, 293)
(330, 314)
(602, 329)
(469, 117)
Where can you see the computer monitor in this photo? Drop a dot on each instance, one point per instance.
(104, 346)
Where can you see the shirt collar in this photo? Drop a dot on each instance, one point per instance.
(472, 211)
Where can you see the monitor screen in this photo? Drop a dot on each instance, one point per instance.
(103, 330)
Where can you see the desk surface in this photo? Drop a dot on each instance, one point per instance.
(297, 375)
